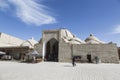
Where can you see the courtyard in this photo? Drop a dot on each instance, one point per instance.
(58, 71)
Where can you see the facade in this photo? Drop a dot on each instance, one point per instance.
(61, 45)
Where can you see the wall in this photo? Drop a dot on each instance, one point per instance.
(65, 52)
(106, 52)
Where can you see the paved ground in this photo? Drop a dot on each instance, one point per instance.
(58, 71)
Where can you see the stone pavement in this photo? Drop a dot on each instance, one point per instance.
(58, 71)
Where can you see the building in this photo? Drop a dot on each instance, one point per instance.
(61, 45)
(15, 47)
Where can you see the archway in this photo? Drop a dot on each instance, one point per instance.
(51, 50)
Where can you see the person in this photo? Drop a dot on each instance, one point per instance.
(97, 59)
(34, 59)
(73, 61)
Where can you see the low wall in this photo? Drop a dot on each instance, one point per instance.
(108, 53)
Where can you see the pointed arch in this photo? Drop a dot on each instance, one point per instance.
(51, 53)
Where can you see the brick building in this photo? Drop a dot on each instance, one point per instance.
(61, 45)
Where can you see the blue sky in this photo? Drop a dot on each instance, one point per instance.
(27, 18)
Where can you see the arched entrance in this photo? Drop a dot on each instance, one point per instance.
(51, 50)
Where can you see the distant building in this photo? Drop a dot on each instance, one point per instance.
(15, 47)
(61, 45)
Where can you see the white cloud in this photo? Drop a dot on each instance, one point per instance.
(117, 29)
(29, 11)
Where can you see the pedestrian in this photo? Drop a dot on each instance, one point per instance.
(33, 61)
(73, 61)
(97, 59)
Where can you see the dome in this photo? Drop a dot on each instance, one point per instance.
(76, 40)
(30, 43)
(68, 37)
(93, 40)
(66, 33)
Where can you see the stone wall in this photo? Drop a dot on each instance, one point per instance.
(64, 52)
(106, 52)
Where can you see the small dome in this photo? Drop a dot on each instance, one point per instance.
(93, 40)
(30, 43)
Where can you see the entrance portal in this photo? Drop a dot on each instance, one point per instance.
(51, 50)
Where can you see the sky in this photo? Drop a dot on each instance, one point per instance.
(28, 18)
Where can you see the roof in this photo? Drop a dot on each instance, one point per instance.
(7, 40)
(30, 42)
(93, 40)
(68, 37)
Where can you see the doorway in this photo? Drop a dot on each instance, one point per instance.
(89, 58)
(52, 50)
